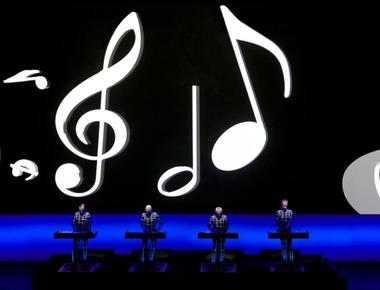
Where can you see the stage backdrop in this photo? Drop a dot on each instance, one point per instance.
(328, 121)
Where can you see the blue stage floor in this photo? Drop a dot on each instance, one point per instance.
(336, 237)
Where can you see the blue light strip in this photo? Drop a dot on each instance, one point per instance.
(336, 237)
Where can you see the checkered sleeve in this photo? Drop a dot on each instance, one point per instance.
(74, 221)
(277, 218)
(89, 222)
(226, 224)
(142, 222)
(210, 224)
(160, 223)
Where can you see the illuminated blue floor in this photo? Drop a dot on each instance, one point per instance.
(336, 237)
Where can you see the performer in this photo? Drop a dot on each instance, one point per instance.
(218, 223)
(150, 222)
(81, 223)
(284, 218)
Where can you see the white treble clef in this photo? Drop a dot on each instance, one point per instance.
(69, 175)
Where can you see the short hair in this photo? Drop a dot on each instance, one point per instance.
(218, 209)
(284, 199)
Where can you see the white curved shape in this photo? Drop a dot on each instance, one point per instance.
(376, 177)
(25, 166)
(114, 120)
(361, 184)
(225, 153)
(195, 170)
(237, 30)
(166, 176)
(109, 76)
(41, 82)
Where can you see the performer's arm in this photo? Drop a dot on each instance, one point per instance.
(160, 223)
(89, 222)
(210, 225)
(142, 225)
(74, 222)
(290, 222)
(277, 220)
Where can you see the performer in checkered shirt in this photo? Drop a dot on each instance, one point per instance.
(284, 218)
(218, 224)
(150, 222)
(81, 223)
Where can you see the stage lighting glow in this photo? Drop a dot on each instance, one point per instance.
(25, 166)
(194, 170)
(356, 237)
(41, 82)
(242, 143)
(110, 75)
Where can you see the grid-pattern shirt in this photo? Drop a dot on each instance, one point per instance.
(218, 224)
(151, 222)
(284, 220)
(82, 221)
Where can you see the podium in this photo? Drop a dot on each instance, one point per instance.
(156, 266)
(227, 267)
(290, 235)
(74, 235)
(287, 235)
(72, 267)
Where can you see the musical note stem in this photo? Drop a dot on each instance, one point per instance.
(195, 169)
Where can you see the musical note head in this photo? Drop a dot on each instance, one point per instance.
(42, 83)
(238, 146)
(68, 175)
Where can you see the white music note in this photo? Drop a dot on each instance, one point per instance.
(243, 142)
(69, 175)
(25, 166)
(41, 82)
(195, 169)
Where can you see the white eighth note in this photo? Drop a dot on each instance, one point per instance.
(243, 142)
(41, 82)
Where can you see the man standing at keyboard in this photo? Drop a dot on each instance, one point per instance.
(150, 223)
(218, 223)
(81, 223)
(284, 218)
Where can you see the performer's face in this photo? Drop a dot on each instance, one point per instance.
(81, 207)
(284, 203)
